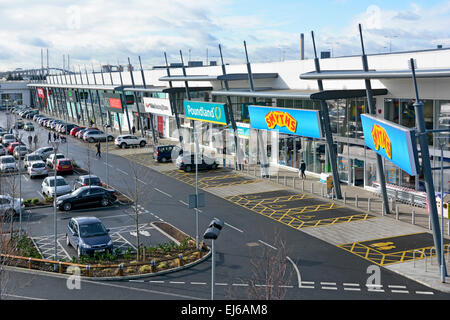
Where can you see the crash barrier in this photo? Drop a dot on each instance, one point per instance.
(94, 270)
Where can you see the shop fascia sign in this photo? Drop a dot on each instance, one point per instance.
(40, 92)
(206, 111)
(242, 130)
(113, 102)
(300, 122)
(392, 141)
(157, 106)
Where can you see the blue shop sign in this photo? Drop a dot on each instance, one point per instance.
(392, 141)
(206, 111)
(305, 123)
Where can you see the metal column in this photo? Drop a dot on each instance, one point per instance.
(155, 142)
(372, 111)
(328, 133)
(136, 99)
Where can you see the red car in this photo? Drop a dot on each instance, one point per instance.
(64, 166)
(75, 130)
(12, 146)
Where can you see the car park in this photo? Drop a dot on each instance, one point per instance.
(7, 164)
(48, 186)
(127, 140)
(89, 196)
(164, 153)
(44, 152)
(51, 159)
(30, 158)
(96, 135)
(9, 205)
(20, 152)
(87, 180)
(64, 166)
(37, 169)
(187, 162)
(88, 235)
(28, 126)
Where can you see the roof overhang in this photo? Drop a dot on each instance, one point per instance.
(227, 77)
(76, 86)
(373, 74)
(298, 94)
(166, 89)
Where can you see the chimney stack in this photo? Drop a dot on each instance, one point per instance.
(302, 46)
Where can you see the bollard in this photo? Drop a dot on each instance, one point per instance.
(368, 204)
(278, 177)
(60, 270)
(412, 200)
(254, 170)
(322, 191)
(285, 180)
(382, 208)
(413, 217)
(312, 187)
(180, 260)
(429, 222)
(120, 267)
(248, 169)
(356, 200)
(88, 270)
(396, 211)
(303, 185)
(293, 182)
(345, 198)
(29, 263)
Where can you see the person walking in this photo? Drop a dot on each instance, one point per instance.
(30, 140)
(301, 173)
(133, 129)
(35, 140)
(98, 154)
(54, 136)
(49, 137)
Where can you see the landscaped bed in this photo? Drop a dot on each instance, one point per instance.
(163, 257)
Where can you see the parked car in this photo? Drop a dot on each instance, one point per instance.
(28, 126)
(64, 166)
(62, 128)
(75, 130)
(8, 138)
(127, 140)
(51, 159)
(88, 235)
(164, 153)
(96, 135)
(3, 150)
(48, 186)
(12, 146)
(44, 152)
(20, 152)
(37, 169)
(7, 164)
(87, 180)
(19, 124)
(88, 196)
(10, 206)
(80, 133)
(30, 158)
(186, 162)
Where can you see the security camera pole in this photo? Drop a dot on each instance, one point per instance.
(212, 233)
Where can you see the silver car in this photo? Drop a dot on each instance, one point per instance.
(30, 158)
(96, 135)
(48, 186)
(7, 164)
(37, 169)
(20, 151)
(8, 138)
(2, 150)
(44, 152)
(8, 204)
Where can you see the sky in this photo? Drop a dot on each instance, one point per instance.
(95, 32)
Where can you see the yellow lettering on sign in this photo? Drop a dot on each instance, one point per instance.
(381, 140)
(282, 119)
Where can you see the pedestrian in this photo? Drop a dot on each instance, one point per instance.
(35, 140)
(54, 136)
(301, 173)
(49, 137)
(30, 140)
(98, 154)
(133, 130)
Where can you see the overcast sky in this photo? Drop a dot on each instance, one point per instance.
(109, 31)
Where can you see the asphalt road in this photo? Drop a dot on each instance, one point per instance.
(247, 247)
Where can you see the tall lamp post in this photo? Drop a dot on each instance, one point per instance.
(212, 233)
(55, 145)
(106, 126)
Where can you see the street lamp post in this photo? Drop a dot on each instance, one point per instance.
(55, 145)
(106, 162)
(212, 233)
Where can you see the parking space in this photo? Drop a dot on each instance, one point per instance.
(398, 249)
(297, 210)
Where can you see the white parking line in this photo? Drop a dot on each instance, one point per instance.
(399, 291)
(183, 202)
(264, 243)
(299, 278)
(142, 181)
(424, 292)
(227, 224)
(165, 193)
(120, 170)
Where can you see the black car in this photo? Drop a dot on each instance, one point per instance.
(87, 180)
(89, 196)
(165, 153)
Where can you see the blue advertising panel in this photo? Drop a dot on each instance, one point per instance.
(392, 141)
(206, 111)
(299, 122)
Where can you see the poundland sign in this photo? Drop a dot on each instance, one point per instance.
(206, 111)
